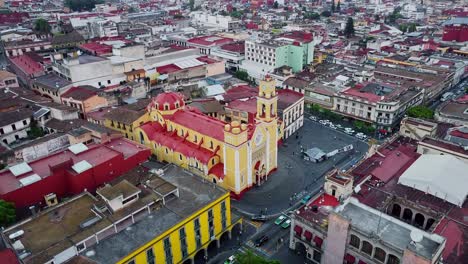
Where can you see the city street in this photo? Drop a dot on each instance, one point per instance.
(296, 176)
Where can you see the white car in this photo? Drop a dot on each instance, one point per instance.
(332, 126)
(349, 131)
(361, 136)
(323, 122)
(313, 118)
(339, 126)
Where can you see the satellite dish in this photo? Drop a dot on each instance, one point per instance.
(90, 253)
(416, 236)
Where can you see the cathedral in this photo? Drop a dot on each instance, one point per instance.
(234, 155)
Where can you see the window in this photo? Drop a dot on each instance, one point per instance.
(180, 156)
(167, 151)
(167, 250)
(211, 144)
(393, 260)
(131, 262)
(212, 161)
(150, 256)
(13, 127)
(166, 107)
(366, 248)
(108, 81)
(195, 138)
(379, 254)
(1, 131)
(355, 241)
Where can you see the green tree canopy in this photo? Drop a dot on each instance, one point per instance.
(420, 112)
(82, 5)
(242, 75)
(42, 26)
(349, 29)
(7, 213)
(312, 15)
(275, 5)
(250, 258)
(326, 13)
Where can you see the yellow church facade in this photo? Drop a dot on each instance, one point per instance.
(233, 155)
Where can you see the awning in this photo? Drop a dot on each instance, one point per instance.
(350, 259)
(298, 229)
(308, 235)
(361, 262)
(318, 241)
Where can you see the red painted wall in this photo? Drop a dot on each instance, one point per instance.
(64, 182)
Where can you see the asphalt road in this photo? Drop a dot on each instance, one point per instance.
(296, 177)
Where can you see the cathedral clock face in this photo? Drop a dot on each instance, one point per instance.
(258, 139)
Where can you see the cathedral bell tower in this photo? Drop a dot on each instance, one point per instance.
(267, 121)
(267, 100)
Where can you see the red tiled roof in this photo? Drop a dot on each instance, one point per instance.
(170, 68)
(238, 47)
(156, 132)
(210, 40)
(249, 105)
(79, 93)
(170, 98)
(8, 256)
(218, 171)
(288, 97)
(390, 165)
(455, 250)
(97, 48)
(300, 36)
(13, 18)
(460, 134)
(355, 92)
(201, 123)
(27, 64)
(207, 60)
(95, 155)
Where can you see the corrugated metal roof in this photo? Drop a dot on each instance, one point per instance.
(189, 63)
(20, 169)
(78, 148)
(82, 166)
(30, 179)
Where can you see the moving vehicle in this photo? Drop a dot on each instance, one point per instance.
(261, 218)
(230, 260)
(280, 219)
(361, 136)
(306, 199)
(324, 122)
(286, 223)
(349, 130)
(262, 240)
(446, 96)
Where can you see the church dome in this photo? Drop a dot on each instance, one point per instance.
(168, 101)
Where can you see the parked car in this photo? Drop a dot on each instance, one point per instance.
(286, 223)
(338, 126)
(323, 122)
(349, 130)
(262, 240)
(230, 260)
(261, 218)
(280, 219)
(306, 199)
(313, 118)
(332, 126)
(361, 136)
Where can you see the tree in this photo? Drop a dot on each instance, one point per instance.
(420, 112)
(7, 213)
(333, 6)
(338, 6)
(326, 13)
(250, 258)
(82, 5)
(192, 5)
(42, 26)
(349, 29)
(34, 130)
(312, 15)
(275, 5)
(412, 27)
(242, 75)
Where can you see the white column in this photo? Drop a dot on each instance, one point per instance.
(249, 164)
(224, 161)
(268, 151)
(237, 172)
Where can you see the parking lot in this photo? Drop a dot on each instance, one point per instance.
(295, 176)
